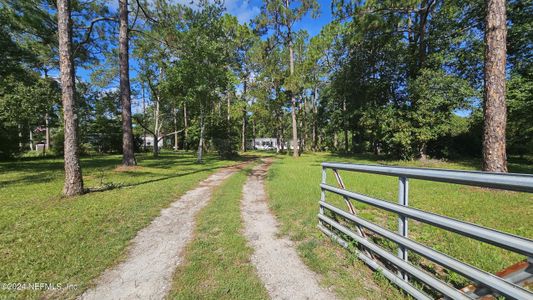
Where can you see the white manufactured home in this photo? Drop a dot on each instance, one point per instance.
(149, 140)
(268, 144)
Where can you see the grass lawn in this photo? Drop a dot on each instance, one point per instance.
(293, 187)
(217, 262)
(48, 239)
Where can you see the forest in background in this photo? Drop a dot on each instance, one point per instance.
(397, 78)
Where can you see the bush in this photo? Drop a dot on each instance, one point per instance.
(225, 138)
(9, 145)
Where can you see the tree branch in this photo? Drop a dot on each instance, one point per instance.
(90, 30)
(145, 13)
(143, 126)
(167, 134)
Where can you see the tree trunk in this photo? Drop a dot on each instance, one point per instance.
(244, 114)
(31, 139)
(185, 127)
(295, 151)
(345, 125)
(73, 178)
(315, 112)
(19, 127)
(303, 125)
(243, 135)
(47, 133)
(144, 118)
(422, 151)
(495, 112)
(128, 156)
(253, 131)
(281, 133)
(228, 108)
(175, 113)
(423, 17)
(157, 126)
(156, 145)
(201, 143)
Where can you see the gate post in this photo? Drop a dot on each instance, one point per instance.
(403, 199)
(323, 193)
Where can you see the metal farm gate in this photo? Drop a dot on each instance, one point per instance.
(397, 268)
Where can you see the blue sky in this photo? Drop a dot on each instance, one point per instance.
(245, 10)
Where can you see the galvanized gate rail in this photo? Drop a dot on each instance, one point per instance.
(400, 276)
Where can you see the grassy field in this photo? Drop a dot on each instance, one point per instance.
(293, 186)
(48, 239)
(218, 260)
(45, 238)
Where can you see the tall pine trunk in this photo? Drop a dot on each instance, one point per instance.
(157, 126)
(243, 135)
(73, 178)
(31, 137)
(295, 151)
(185, 127)
(199, 159)
(495, 111)
(345, 125)
(244, 114)
(46, 133)
(175, 115)
(128, 156)
(144, 118)
(315, 113)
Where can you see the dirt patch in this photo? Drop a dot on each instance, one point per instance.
(156, 251)
(285, 276)
(122, 168)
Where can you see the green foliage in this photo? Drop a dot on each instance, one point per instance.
(435, 97)
(104, 132)
(520, 107)
(9, 145)
(224, 136)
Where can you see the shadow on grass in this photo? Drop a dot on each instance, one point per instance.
(33, 179)
(112, 186)
(43, 170)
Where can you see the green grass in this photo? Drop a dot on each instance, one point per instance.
(49, 239)
(218, 260)
(293, 186)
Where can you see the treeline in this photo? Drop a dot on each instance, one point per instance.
(407, 78)
(399, 78)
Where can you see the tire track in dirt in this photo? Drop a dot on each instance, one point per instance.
(156, 251)
(285, 276)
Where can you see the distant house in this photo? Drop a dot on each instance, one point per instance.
(267, 144)
(149, 140)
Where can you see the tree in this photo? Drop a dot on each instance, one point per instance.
(241, 40)
(73, 178)
(128, 156)
(495, 110)
(281, 15)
